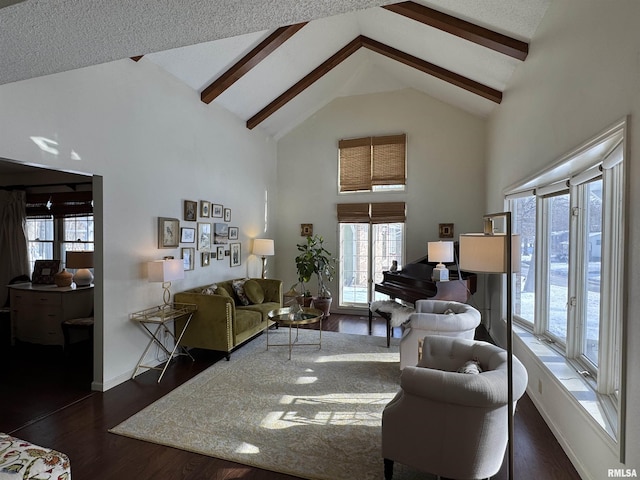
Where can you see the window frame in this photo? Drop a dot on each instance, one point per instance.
(59, 245)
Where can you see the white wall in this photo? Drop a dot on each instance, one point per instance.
(445, 182)
(582, 75)
(155, 144)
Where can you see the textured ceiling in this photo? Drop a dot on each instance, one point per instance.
(197, 41)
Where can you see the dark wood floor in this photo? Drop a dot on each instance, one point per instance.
(45, 399)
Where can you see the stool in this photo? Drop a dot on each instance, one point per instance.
(76, 325)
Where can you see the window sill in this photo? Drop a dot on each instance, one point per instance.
(569, 379)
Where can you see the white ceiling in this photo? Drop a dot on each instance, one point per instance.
(41, 37)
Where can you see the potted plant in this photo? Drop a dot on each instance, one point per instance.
(312, 259)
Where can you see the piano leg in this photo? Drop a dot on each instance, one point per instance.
(387, 318)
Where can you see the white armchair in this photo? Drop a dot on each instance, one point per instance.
(432, 317)
(452, 424)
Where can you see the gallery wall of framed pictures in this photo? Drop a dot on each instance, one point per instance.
(204, 234)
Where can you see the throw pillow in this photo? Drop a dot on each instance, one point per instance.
(210, 290)
(254, 292)
(470, 366)
(238, 288)
(224, 292)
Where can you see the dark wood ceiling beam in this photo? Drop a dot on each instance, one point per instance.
(434, 70)
(305, 82)
(378, 47)
(461, 28)
(250, 60)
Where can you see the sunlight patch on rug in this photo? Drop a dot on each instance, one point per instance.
(316, 416)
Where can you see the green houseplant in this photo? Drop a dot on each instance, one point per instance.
(314, 259)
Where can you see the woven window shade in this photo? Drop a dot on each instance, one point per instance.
(355, 164)
(353, 212)
(388, 212)
(389, 154)
(71, 204)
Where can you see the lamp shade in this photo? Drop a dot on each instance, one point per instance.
(166, 270)
(440, 251)
(79, 260)
(483, 253)
(263, 247)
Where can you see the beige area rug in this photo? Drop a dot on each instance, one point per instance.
(316, 416)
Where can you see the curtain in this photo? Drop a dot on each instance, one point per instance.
(14, 258)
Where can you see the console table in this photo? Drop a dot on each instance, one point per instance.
(155, 321)
(37, 311)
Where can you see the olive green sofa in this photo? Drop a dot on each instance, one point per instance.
(222, 320)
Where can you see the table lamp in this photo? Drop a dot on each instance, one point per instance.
(440, 252)
(82, 262)
(165, 271)
(263, 247)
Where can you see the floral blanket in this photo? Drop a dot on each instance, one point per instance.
(21, 460)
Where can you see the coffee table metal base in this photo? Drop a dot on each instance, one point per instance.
(306, 316)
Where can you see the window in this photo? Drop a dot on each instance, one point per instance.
(569, 290)
(524, 224)
(371, 238)
(372, 164)
(57, 223)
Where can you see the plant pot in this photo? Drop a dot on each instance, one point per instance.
(304, 301)
(323, 304)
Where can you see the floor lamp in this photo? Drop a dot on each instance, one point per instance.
(491, 252)
(263, 247)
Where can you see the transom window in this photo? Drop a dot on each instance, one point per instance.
(372, 164)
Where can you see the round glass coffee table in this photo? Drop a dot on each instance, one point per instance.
(304, 316)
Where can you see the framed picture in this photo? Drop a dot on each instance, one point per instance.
(190, 210)
(44, 270)
(204, 208)
(168, 231)
(187, 235)
(446, 230)
(205, 258)
(216, 210)
(187, 258)
(220, 252)
(220, 233)
(306, 229)
(204, 236)
(227, 214)
(235, 255)
(233, 233)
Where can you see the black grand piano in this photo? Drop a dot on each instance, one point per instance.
(414, 282)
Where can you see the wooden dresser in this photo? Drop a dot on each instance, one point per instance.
(37, 311)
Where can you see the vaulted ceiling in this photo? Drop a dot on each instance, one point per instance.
(273, 64)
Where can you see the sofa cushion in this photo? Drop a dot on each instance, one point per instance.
(254, 292)
(238, 288)
(247, 319)
(210, 290)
